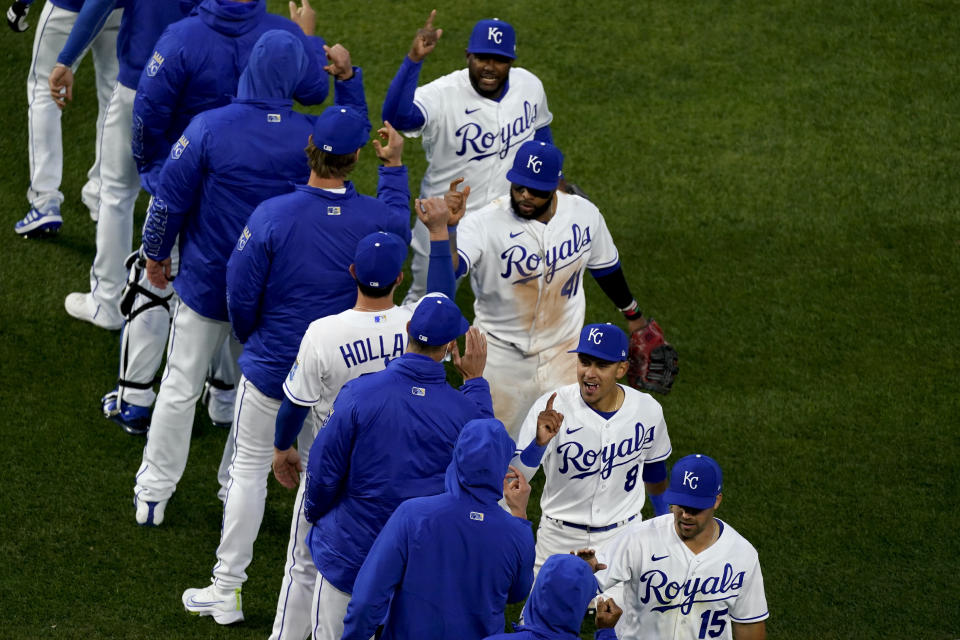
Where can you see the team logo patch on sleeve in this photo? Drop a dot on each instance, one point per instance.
(241, 243)
(273, 117)
(179, 148)
(418, 391)
(333, 211)
(476, 515)
(155, 63)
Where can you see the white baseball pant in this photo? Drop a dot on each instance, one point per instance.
(328, 609)
(43, 115)
(194, 340)
(292, 620)
(119, 187)
(254, 420)
(517, 379)
(554, 537)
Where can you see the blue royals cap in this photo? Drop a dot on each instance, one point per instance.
(340, 129)
(537, 165)
(379, 258)
(695, 481)
(494, 37)
(604, 341)
(437, 320)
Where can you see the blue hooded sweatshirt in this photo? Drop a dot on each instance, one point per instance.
(195, 66)
(556, 606)
(446, 566)
(227, 161)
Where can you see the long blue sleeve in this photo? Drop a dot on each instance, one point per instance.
(543, 134)
(440, 276)
(398, 107)
(89, 22)
(330, 458)
(177, 186)
(247, 271)
(378, 579)
(477, 390)
(158, 94)
(290, 419)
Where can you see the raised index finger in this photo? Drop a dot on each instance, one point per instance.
(429, 23)
(550, 402)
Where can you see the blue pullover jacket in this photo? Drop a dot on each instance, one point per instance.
(390, 438)
(447, 565)
(195, 66)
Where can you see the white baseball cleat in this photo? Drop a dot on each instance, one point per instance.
(82, 306)
(150, 514)
(224, 605)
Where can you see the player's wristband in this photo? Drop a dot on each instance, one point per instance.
(452, 229)
(632, 311)
(660, 505)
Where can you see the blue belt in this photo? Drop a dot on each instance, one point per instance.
(588, 528)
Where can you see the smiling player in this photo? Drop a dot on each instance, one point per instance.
(599, 444)
(472, 121)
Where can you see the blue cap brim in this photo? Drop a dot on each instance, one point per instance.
(523, 180)
(687, 500)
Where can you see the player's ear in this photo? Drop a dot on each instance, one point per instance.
(353, 272)
(719, 500)
(622, 369)
(398, 280)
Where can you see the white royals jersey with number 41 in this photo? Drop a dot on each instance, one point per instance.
(336, 349)
(527, 275)
(671, 592)
(594, 466)
(467, 135)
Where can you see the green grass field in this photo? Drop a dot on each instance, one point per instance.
(782, 181)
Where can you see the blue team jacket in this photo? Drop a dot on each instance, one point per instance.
(556, 606)
(291, 266)
(447, 565)
(227, 162)
(390, 438)
(195, 66)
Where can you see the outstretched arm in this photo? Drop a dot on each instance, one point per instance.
(398, 106)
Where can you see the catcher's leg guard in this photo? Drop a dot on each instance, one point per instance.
(147, 312)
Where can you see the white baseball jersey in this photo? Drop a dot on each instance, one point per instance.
(527, 275)
(338, 348)
(671, 592)
(594, 466)
(465, 134)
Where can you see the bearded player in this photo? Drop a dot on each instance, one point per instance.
(686, 574)
(472, 121)
(526, 253)
(599, 443)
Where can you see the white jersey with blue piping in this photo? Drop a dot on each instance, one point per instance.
(468, 135)
(527, 275)
(594, 466)
(671, 592)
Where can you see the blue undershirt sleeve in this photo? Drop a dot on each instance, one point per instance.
(654, 471)
(533, 454)
(88, 24)
(290, 419)
(544, 134)
(440, 276)
(398, 107)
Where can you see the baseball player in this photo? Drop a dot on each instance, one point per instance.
(599, 443)
(143, 23)
(555, 609)
(233, 157)
(445, 566)
(291, 266)
(686, 574)
(390, 438)
(526, 253)
(334, 350)
(195, 66)
(472, 121)
(43, 115)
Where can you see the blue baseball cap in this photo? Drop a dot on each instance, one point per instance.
(537, 165)
(695, 481)
(340, 130)
(494, 37)
(379, 258)
(604, 341)
(437, 320)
